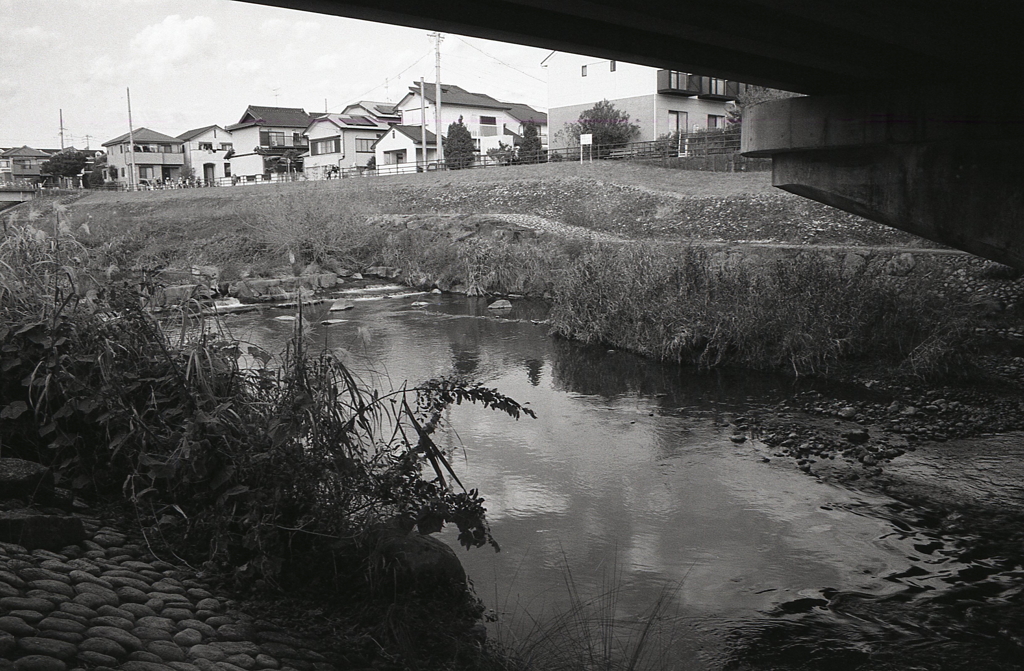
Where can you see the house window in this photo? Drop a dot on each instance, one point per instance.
(677, 121)
(297, 140)
(716, 86)
(272, 138)
(611, 66)
(715, 120)
(583, 71)
(208, 146)
(122, 172)
(330, 145)
(678, 80)
(364, 145)
(488, 126)
(227, 170)
(226, 146)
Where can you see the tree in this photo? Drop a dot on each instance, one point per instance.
(458, 146)
(608, 125)
(531, 148)
(94, 179)
(751, 96)
(68, 163)
(503, 154)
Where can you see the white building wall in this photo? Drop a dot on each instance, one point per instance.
(197, 159)
(567, 86)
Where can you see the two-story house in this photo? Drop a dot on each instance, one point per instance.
(156, 158)
(488, 120)
(264, 133)
(22, 164)
(662, 102)
(337, 142)
(208, 151)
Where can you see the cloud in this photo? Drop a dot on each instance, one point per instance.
(8, 89)
(34, 35)
(290, 29)
(173, 40)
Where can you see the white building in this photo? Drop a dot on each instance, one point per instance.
(660, 101)
(338, 142)
(378, 111)
(207, 153)
(488, 120)
(157, 158)
(400, 149)
(264, 133)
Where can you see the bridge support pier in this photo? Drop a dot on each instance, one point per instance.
(917, 161)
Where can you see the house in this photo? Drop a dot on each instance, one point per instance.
(524, 114)
(383, 112)
(157, 158)
(208, 151)
(660, 101)
(339, 141)
(22, 164)
(401, 148)
(264, 133)
(488, 120)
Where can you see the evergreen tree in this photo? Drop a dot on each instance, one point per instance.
(530, 150)
(609, 126)
(458, 146)
(65, 164)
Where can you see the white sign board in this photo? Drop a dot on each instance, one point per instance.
(586, 138)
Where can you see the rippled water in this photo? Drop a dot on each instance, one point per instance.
(627, 481)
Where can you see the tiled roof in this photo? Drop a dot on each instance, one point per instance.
(28, 152)
(454, 95)
(286, 117)
(414, 131)
(195, 132)
(143, 135)
(350, 121)
(382, 109)
(523, 113)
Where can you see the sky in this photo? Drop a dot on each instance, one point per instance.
(194, 63)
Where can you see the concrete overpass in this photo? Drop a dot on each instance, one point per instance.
(915, 114)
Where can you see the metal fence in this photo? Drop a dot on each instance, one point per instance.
(711, 150)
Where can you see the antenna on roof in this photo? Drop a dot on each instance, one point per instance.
(276, 96)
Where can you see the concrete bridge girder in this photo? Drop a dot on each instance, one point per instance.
(918, 161)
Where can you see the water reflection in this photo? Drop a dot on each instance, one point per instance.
(627, 476)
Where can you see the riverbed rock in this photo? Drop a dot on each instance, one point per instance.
(500, 305)
(420, 563)
(25, 480)
(340, 305)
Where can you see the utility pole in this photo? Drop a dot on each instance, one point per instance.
(131, 143)
(86, 140)
(423, 122)
(438, 37)
(62, 130)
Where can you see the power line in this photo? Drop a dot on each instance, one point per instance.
(495, 58)
(410, 67)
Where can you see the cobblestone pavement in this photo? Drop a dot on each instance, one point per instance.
(109, 604)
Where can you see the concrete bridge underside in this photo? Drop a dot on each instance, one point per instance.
(915, 114)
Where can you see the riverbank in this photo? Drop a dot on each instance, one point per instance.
(951, 367)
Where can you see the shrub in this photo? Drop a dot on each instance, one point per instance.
(253, 466)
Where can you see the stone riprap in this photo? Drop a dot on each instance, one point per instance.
(107, 603)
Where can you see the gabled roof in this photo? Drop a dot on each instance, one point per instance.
(348, 122)
(376, 108)
(285, 117)
(28, 152)
(144, 135)
(413, 132)
(522, 113)
(454, 95)
(196, 132)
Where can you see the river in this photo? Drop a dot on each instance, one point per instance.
(626, 491)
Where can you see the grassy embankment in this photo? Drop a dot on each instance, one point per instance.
(663, 296)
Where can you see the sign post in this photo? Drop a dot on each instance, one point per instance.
(586, 139)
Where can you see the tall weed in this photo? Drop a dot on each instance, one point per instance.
(799, 315)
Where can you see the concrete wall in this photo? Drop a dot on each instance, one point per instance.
(568, 87)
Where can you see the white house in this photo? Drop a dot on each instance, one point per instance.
(337, 142)
(157, 157)
(488, 120)
(263, 133)
(400, 149)
(660, 101)
(207, 153)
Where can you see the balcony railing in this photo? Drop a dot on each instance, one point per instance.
(672, 82)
